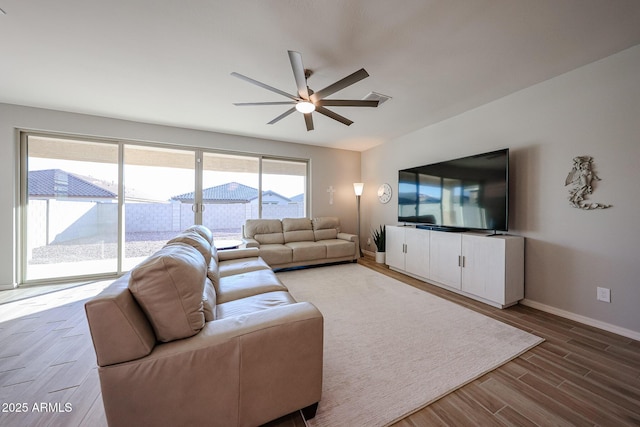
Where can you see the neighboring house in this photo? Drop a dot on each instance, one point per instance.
(234, 192)
(298, 199)
(234, 203)
(65, 207)
(59, 184)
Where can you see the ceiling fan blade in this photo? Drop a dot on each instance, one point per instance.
(264, 86)
(340, 84)
(333, 115)
(308, 120)
(282, 116)
(346, 103)
(298, 73)
(244, 104)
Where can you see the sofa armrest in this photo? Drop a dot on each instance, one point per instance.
(250, 243)
(238, 253)
(351, 238)
(119, 329)
(348, 237)
(243, 370)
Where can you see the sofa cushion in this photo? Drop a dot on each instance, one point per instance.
(337, 248)
(326, 227)
(298, 236)
(213, 272)
(247, 284)
(195, 239)
(214, 252)
(276, 254)
(306, 251)
(328, 234)
(209, 301)
(265, 231)
(269, 239)
(254, 303)
(241, 265)
(203, 231)
(296, 224)
(326, 222)
(169, 286)
(262, 226)
(297, 229)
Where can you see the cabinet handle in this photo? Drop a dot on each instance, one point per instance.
(463, 260)
(459, 261)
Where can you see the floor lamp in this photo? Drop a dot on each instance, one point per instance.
(357, 188)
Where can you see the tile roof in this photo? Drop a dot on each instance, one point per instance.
(58, 183)
(232, 192)
(229, 192)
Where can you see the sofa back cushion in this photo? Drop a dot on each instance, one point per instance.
(203, 231)
(209, 298)
(326, 227)
(265, 231)
(169, 286)
(195, 239)
(297, 230)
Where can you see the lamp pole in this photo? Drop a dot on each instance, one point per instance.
(357, 188)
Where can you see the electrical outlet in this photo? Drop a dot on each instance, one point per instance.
(604, 294)
(369, 241)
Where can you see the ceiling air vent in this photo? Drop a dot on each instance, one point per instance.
(375, 96)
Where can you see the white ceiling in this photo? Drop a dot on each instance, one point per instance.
(169, 62)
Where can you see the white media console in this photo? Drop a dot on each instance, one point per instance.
(486, 267)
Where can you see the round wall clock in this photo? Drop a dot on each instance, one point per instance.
(384, 193)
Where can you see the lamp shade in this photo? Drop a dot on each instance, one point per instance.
(358, 187)
(305, 107)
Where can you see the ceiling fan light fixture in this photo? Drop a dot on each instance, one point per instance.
(306, 101)
(305, 107)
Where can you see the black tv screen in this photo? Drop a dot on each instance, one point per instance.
(467, 193)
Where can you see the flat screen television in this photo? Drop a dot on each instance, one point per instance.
(470, 193)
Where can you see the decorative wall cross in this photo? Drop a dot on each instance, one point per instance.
(331, 190)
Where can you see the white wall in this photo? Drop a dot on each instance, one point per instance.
(329, 167)
(595, 111)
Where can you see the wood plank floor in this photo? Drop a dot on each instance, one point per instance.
(579, 376)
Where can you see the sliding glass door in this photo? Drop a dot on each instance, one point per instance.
(92, 208)
(285, 188)
(230, 193)
(155, 182)
(71, 208)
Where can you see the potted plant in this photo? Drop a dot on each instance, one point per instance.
(379, 238)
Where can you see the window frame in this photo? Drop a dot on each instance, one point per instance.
(199, 152)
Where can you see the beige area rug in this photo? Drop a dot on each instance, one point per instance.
(391, 349)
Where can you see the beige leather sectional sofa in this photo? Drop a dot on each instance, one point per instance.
(293, 242)
(196, 337)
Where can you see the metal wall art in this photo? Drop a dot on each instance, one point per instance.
(581, 178)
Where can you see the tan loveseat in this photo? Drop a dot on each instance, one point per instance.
(293, 242)
(196, 337)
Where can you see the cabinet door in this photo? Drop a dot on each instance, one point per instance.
(483, 272)
(395, 247)
(445, 257)
(417, 252)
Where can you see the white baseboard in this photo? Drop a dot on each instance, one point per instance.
(582, 319)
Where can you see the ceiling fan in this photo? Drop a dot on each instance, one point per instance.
(308, 101)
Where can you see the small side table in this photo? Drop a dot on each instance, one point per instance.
(224, 244)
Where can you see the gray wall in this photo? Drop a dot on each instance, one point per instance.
(329, 167)
(595, 111)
